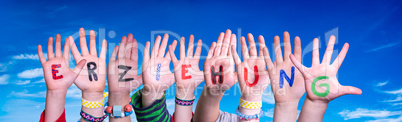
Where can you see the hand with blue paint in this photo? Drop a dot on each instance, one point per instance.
(287, 83)
(321, 82)
(58, 76)
(122, 73)
(156, 74)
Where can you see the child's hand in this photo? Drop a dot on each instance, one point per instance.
(187, 73)
(58, 75)
(321, 82)
(252, 74)
(122, 72)
(219, 66)
(93, 77)
(285, 90)
(156, 73)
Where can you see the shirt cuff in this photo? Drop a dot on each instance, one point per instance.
(157, 112)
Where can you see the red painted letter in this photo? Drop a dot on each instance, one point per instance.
(54, 71)
(255, 77)
(184, 71)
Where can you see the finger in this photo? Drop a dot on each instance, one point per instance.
(182, 48)
(253, 48)
(42, 58)
(162, 49)
(167, 57)
(330, 49)
(278, 50)
(338, 61)
(287, 47)
(155, 49)
(129, 46)
(197, 53)
(114, 54)
(298, 49)
(298, 65)
(190, 49)
(134, 51)
(350, 90)
(219, 44)
(77, 69)
(267, 59)
(261, 44)
(92, 43)
(122, 47)
(172, 55)
(233, 42)
(316, 52)
(83, 42)
(66, 51)
(146, 55)
(50, 54)
(244, 48)
(211, 50)
(103, 50)
(235, 56)
(58, 46)
(74, 49)
(226, 42)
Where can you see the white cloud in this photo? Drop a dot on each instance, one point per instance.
(381, 83)
(399, 98)
(20, 82)
(74, 92)
(268, 96)
(269, 113)
(25, 93)
(363, 112)
(31, 73)
(26, 56)
(394, 92)
(399, 119)
(40, 81)
(4, 79)
(170, 105)
(383, 47)
(3, 66)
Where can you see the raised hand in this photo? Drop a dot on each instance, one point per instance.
(92, 78)
(287, 82)
(252, 74)
(156, 73)
(219, 66)
(321, 82)
(122, 72)
(58, 76)
(187, 74)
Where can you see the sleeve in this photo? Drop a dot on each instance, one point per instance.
(157, 112)
(62, 117)
(227, 117)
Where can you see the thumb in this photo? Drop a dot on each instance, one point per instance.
(350, 90)
(79, 67)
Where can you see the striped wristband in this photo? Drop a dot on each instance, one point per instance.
(184, 102)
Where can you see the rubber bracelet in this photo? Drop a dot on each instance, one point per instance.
(117, 111)
(250, 105)
(248, 117)
(90, 118)
(184, 102)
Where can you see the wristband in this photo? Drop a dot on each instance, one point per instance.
(117, 111)
(184, 102)
(90, 118)
(250, 105)
(248, 117)
(92, 104)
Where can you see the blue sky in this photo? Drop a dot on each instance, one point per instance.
(372, 28)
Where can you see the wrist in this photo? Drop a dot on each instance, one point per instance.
(56, 93)
(186, 94)
(253, 98)
(92, 95)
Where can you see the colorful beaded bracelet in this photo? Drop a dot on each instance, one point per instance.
(248, 117)
(90, 118)
(117, 112)
(184, 102)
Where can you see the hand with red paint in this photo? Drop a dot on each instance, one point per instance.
(58, 76)
(321, 82)
(187, 74)
(252, 74)
(122, 73)
(156, 74)
(92, 78)
(219, 66)
(287, 82)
